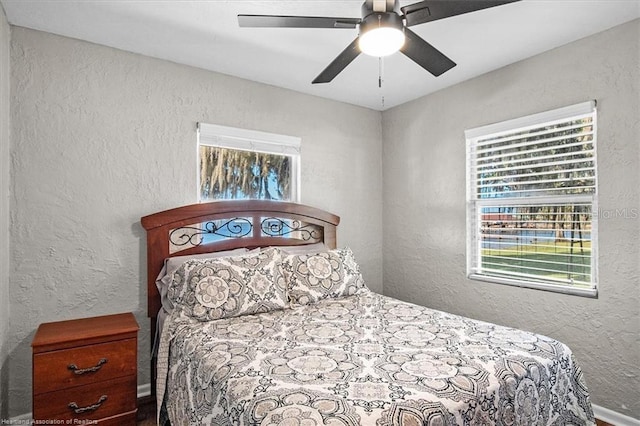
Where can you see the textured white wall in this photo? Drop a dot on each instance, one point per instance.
(101, 137)
(424, 204)
(4, 209)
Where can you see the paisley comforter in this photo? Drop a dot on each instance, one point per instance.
(367, 360)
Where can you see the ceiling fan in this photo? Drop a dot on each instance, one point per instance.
(383, 30)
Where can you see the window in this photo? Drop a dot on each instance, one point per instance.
(531, 201)
(246, 164)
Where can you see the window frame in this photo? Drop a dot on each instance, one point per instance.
(475, 203)
(254, 141)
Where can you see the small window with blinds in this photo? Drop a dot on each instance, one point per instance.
(531, 192)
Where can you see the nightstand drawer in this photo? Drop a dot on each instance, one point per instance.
(83, 365)
(90, 402)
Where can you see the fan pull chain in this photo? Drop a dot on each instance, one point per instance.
(380, 79)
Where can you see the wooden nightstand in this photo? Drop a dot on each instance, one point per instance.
(85, 370)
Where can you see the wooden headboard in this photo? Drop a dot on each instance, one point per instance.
(225, 225)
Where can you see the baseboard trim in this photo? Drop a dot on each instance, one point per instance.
(144, 390)
(613, 417)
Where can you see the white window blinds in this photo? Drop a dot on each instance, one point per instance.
(247, 140)
(531, 200)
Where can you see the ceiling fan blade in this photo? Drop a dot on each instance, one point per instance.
(425, 55)
(273, 21)
(432, 10)
(339, 63)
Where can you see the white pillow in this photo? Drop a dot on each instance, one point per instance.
(304, 249)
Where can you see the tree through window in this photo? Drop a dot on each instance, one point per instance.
(531, 201)
(244, 164)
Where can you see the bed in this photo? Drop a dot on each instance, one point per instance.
(270, 323)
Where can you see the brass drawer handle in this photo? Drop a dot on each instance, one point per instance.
(94, 407)
(80, 371)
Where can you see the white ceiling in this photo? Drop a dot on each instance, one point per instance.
(205, 34)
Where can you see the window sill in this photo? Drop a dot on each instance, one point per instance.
(555, 288)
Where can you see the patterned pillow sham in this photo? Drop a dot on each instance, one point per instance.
(172, 263)
(313, 277)
(210, 289)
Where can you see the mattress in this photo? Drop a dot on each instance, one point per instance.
(365, 359)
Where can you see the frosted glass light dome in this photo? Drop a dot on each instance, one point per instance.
(381, 41)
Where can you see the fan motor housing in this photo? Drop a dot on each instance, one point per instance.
(377, 19)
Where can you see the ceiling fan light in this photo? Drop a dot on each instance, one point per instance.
(381, 41)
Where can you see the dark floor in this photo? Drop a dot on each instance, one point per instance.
(146, 411)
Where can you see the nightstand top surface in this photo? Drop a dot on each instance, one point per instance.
(60, 334)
